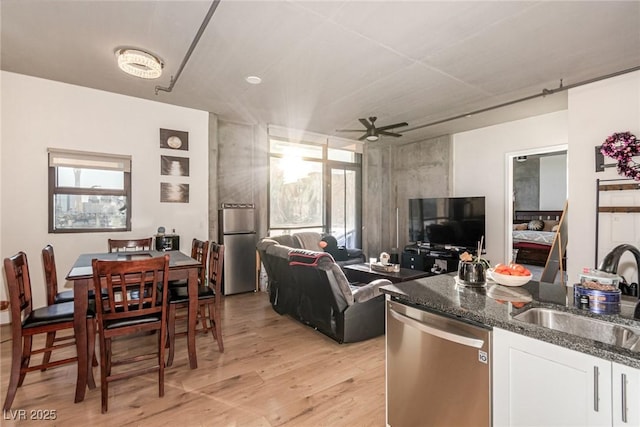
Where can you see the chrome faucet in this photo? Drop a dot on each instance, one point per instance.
(610, 265)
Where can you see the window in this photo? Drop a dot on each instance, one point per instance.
(89, 192)
(315, 186)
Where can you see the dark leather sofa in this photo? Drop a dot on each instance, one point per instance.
(311, 287)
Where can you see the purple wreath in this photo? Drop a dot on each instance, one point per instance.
(623, 146)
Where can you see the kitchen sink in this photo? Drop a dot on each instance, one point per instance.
(586, 327)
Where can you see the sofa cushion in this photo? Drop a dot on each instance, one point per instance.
(308, 240)
(286, 240)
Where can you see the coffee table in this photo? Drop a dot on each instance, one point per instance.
(364, 274)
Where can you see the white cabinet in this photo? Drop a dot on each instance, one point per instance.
(626, 395)
(540, 384)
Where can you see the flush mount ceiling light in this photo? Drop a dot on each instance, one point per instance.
(139, 63)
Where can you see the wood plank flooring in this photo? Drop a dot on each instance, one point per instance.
(274, 372)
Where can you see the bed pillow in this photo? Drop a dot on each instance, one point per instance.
(548, 225)
(520, 227)
(535, 225)
(555, 228)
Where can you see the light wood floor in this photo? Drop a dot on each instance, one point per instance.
(274, 372)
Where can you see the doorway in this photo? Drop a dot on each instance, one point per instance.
(533, 184)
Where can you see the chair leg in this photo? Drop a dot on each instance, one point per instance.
(51, 337)
(216, 325)
(91, 337)
(104, 367)
(26, 357)
(171, 326)
(16, 362)
(203, 317)
(161, 365)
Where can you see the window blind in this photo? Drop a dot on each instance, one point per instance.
(87, 160)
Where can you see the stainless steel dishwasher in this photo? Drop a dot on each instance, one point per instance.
(438, 369)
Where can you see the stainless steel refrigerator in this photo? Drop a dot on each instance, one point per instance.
(236, 229)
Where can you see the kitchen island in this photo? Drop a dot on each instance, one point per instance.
(537, 376)
(441, 294)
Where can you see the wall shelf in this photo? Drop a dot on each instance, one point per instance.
(618, 184)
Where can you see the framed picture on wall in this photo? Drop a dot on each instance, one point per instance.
(174, 193)
(174, 139)
(174, 166)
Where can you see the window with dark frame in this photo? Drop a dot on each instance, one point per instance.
(315, 187)
(88, 192)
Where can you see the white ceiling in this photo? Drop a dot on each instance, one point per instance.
(324, 64)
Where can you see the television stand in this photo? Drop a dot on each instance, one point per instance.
(433, 260)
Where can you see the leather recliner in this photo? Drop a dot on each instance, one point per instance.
(311, 287)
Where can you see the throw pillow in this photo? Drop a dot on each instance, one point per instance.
(535, 225)
(520, 227)
(555, 228)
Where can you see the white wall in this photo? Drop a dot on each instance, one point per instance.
(595, 112)
(37, 114)
(553, 182)
(479, 166)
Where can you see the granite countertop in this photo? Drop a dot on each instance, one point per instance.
(495, 306)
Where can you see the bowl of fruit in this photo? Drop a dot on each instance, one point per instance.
(510, 274)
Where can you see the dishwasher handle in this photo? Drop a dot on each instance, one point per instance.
(428, 329)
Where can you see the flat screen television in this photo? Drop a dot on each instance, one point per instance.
(447, 221)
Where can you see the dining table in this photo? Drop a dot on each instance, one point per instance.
(181, 266)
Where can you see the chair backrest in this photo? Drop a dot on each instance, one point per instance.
(50, 273)
(19, 284)
(216, 263)
(121, 245)
(200, 251)
(134, 288)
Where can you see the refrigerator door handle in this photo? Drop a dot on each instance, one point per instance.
(465, 340)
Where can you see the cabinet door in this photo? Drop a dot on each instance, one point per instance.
(541, 384)
(626, 395)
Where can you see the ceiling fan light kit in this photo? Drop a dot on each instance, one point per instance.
(373, 133)
(139, 63)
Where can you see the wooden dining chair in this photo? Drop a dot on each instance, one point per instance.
(199, 252)
(27, 322)
(136, 302)
(209, 301)
(122, 245)
(55, 297)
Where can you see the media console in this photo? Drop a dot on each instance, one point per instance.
(433, 260)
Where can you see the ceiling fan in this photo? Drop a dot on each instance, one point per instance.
(372, 133)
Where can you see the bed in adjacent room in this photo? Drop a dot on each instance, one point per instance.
(533, 235)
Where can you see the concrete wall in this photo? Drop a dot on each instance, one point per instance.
(393, 174)
(526, 184)
(37, 114)
(553, 182)
(233, 175)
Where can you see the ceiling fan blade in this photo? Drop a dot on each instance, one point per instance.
(387, 133)
(363, 137)
(395, 125)
(348, 130)
(366, 124)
